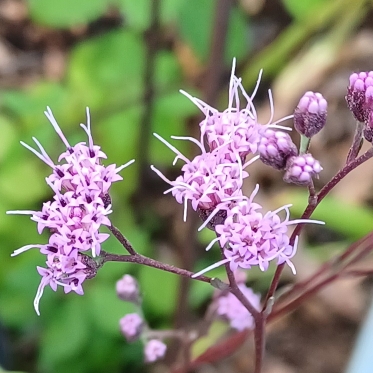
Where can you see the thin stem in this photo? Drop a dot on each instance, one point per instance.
(338, 271)
(123, 240)
(259, 337)
(311, 208)
(356, 142)
(298, 301)
(259, 318)
(141, 259)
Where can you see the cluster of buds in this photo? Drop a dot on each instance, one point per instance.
(360, 100)
(133, 325)
(213, 181)
(80, 205)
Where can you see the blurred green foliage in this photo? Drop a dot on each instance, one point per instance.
(107, 72)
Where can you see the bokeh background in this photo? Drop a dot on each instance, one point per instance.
(127, 60)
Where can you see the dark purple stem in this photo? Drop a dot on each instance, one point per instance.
(356, 142)
(311, 208)
(259, 317)
(140, 259)
(123, 240)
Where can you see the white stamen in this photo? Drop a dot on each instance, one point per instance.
(120, 168)
(211, 244)
(271, 105)
(215, 265)
(185, 209)
(48, 161)
(56, 127)
(192, 139)
(185, 159)
(25, 248)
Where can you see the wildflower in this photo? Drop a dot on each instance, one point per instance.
(310, 114)
(275, 148)
(237, 126)
(360, 95)
(250, 238)
(213, 181)
(232, 310)
(154, 350)
(207, 180)
(128, 289)
(79, 207)
(301, 169)
(131, 326)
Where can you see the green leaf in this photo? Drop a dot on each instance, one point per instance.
(66, 13)
(119, 139)
(15, 182)
(136, 13)
(105, 307)
(159, 290)
(106, 72)
(28, 106)
(302, 9)
(167, 74)
(8, 137)
(67, 332)
(216, 332)
(170, 112)
(336, 214)
(195, 26)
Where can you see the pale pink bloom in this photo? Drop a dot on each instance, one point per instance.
(79, 208)
(154, 350)
(231, 309)
(131, 326)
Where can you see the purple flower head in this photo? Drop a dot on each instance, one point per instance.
(78, 209)
(154, 350)
(275, 148)
(310, 114)
(301, 169)
(360, 95)
(128, 289)
(207, 180)
(238, 125)
(131, 326)
(68, 270)
(251, 238)
(232, 310)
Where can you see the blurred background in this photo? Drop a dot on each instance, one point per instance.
(127, 60)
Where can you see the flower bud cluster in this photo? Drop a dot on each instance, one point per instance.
(133, 326)
(80, 205)
(213, 182)
(360, 101)
(360, 95)
(310, 114)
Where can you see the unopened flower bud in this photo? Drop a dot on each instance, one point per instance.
(301, 169)
(154, 350)
(128, 289)
(360, 95)
(275, 148)
(310, 114)
(131, 326)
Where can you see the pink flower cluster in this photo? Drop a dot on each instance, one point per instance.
(80, 205)
(213, 181)
(133, 326)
